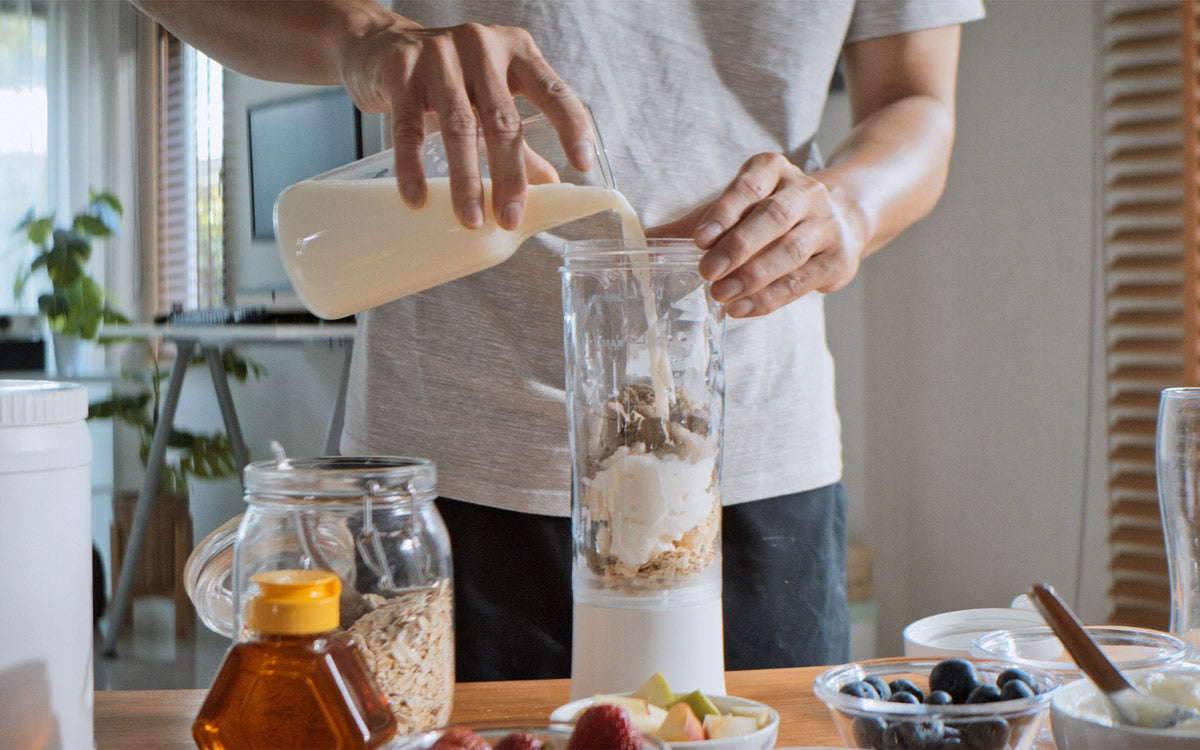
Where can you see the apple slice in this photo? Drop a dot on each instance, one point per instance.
(655, 691)
(760, 714)
(681, 725)
(701, 704)
(728, 725)
(646, 717)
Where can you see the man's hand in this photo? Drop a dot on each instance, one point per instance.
(772, 236)
(467, 75)
(776, 233)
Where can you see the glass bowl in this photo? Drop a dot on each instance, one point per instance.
(876, 723)
(1130, 649)
(553, 737)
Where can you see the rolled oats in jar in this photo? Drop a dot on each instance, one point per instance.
(371, 520)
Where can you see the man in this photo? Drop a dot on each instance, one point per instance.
(708, 110)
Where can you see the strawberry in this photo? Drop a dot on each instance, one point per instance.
(519, 741)
(605, 727)
(459, 738)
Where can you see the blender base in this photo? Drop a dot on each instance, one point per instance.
(615, 649)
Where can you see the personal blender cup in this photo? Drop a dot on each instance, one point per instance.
(643, 342)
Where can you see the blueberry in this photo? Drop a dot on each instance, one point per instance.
(1015, 689)
(938, 698)
(909, 733)
(902, 685)
(903, 697)
(859, 689)
(868, 731)
(985, 734)
(891, 737)
(951, 739)
(984, 694)
(1013, 673)
(880, 686)
(956, 677)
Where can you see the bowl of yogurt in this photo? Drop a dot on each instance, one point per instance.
(1080, 718)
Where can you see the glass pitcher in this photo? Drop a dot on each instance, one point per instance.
(645, 404)
(372, 521)
(349, 243)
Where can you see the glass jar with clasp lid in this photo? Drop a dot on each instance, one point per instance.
(372, 521)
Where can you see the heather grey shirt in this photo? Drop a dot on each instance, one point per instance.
(470, 374)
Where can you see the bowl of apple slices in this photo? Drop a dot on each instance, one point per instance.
(687, 720)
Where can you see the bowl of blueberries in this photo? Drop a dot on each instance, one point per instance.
(905, 702)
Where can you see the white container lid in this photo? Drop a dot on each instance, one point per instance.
(951, 633)
(28, 403)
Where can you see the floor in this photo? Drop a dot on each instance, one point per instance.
(150, 656)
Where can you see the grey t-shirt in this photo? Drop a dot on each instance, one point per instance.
(470, 373)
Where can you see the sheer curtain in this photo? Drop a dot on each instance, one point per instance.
(23, 130)
(67, 90)
(91, 84)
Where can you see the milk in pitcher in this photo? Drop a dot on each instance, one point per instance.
(351, 244)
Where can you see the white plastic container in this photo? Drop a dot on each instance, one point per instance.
(45, 566)
(950, 634)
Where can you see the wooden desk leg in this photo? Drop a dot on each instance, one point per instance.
(233, 429)
(147, 495)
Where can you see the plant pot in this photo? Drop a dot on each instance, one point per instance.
(71, 355)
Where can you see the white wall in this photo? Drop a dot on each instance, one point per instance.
(964, 346)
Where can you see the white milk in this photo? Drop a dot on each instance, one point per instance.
(378, 249)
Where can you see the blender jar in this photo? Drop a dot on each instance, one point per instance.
(370, 520)
(643, 343)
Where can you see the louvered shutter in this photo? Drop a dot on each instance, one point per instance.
(1143, 230)
(189, 243)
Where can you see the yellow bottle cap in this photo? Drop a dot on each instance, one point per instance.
(294, 602)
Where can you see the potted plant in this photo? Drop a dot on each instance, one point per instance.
(76, 305)
(190, 455)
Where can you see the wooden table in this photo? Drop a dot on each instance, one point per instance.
(162, 719)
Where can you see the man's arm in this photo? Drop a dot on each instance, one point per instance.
(467, 75)
(292, 42)
(892, 166)
(776, 234)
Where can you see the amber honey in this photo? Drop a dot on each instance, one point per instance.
(280, 689)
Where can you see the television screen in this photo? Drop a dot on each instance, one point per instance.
(294, 139)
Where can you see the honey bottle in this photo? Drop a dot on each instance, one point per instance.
(292, 684)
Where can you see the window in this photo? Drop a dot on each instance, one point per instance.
(23, 139)
(1146, 256)
(189, 265)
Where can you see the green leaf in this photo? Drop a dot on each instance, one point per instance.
(38, 230)
(108, 200)
(29, 217)
(93, 225)
(116, 318)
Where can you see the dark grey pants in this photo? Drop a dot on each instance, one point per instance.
(784, 590)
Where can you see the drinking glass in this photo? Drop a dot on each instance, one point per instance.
(1177, 464)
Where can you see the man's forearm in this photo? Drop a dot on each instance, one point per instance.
(293, 42)
(891, 169)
